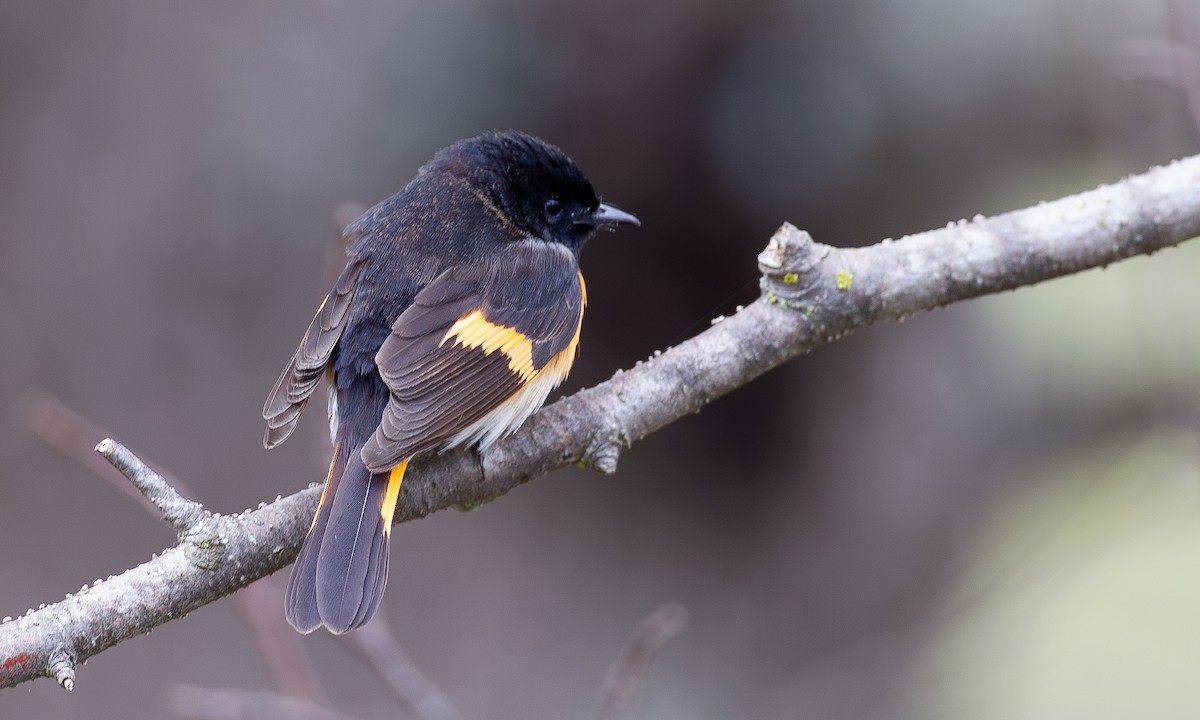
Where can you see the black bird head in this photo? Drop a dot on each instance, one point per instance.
(534, 185)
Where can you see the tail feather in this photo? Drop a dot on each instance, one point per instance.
(376, 578)
(300, 600)
(341, 572)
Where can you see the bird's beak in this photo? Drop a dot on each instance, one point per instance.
(608, 215)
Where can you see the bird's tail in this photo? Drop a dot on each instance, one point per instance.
(339, 576)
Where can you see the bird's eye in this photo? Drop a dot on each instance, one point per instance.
(554, 209)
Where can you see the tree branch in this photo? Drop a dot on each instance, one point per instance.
(812, 294)
(623, 677)
(257, 605)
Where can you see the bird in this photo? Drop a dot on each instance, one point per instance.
(458, 311)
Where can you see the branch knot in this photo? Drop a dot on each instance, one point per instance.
(203, 544)
(603, 452)
(788, 265)
(62, 669)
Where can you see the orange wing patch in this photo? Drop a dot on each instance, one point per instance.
(475, 331)
(535, 385)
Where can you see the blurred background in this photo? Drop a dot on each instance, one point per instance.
(990, 511)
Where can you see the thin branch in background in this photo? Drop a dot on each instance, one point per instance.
(259, 605)
(75, 437)
(667, 621)
(1173, 62)
(376, 644)
(202, 703)
(1170, 63)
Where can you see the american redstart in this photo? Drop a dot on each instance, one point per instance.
(458, 312)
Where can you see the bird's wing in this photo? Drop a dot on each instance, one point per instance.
(303, 372)
(476, 352)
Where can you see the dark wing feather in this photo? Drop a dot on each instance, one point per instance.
(442, 385)
(303, 372)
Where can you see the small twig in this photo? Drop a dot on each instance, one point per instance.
(181, 513)
(623, 677)
(203, 703)
(376, 644)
